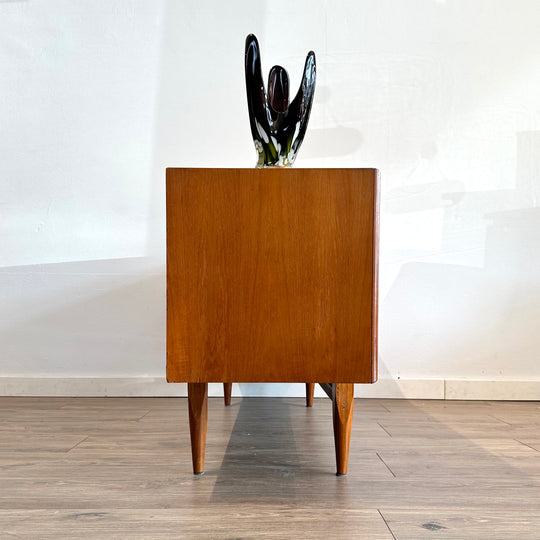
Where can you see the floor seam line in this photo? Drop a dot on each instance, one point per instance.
(387, 526)
(503, 421)
(385, 464)
(384, 429)
(75, 446)
(527, 445)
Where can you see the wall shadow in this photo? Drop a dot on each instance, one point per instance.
(478, 318)
(88, 318)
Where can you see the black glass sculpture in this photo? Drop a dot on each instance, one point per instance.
(278, 127)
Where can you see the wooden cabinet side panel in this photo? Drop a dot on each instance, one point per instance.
(271, 275)
(375, 277)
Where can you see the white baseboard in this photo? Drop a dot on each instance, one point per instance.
(493, 390)
(158, 387)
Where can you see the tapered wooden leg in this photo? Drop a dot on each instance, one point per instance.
(342, 405)
(227, 391)
(198, 414)
(310, 390)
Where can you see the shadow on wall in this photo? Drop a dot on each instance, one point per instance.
(336, 141)
(88, 318)
(331, 142)
(186, 95)
(481, 320)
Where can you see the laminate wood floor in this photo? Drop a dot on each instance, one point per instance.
(99, 468)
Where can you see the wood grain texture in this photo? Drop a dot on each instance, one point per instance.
(198, 415)
(342, 413)
(227, 393)
(420, 524)
(268, 470)
(310, 392)
(212, 522)
(272, 275)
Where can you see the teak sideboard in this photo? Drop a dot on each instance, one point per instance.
(272, 277)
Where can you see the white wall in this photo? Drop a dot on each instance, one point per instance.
(98, 97)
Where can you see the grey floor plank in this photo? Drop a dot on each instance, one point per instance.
(121, 467)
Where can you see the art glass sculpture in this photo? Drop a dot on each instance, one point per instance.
(278, 127)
